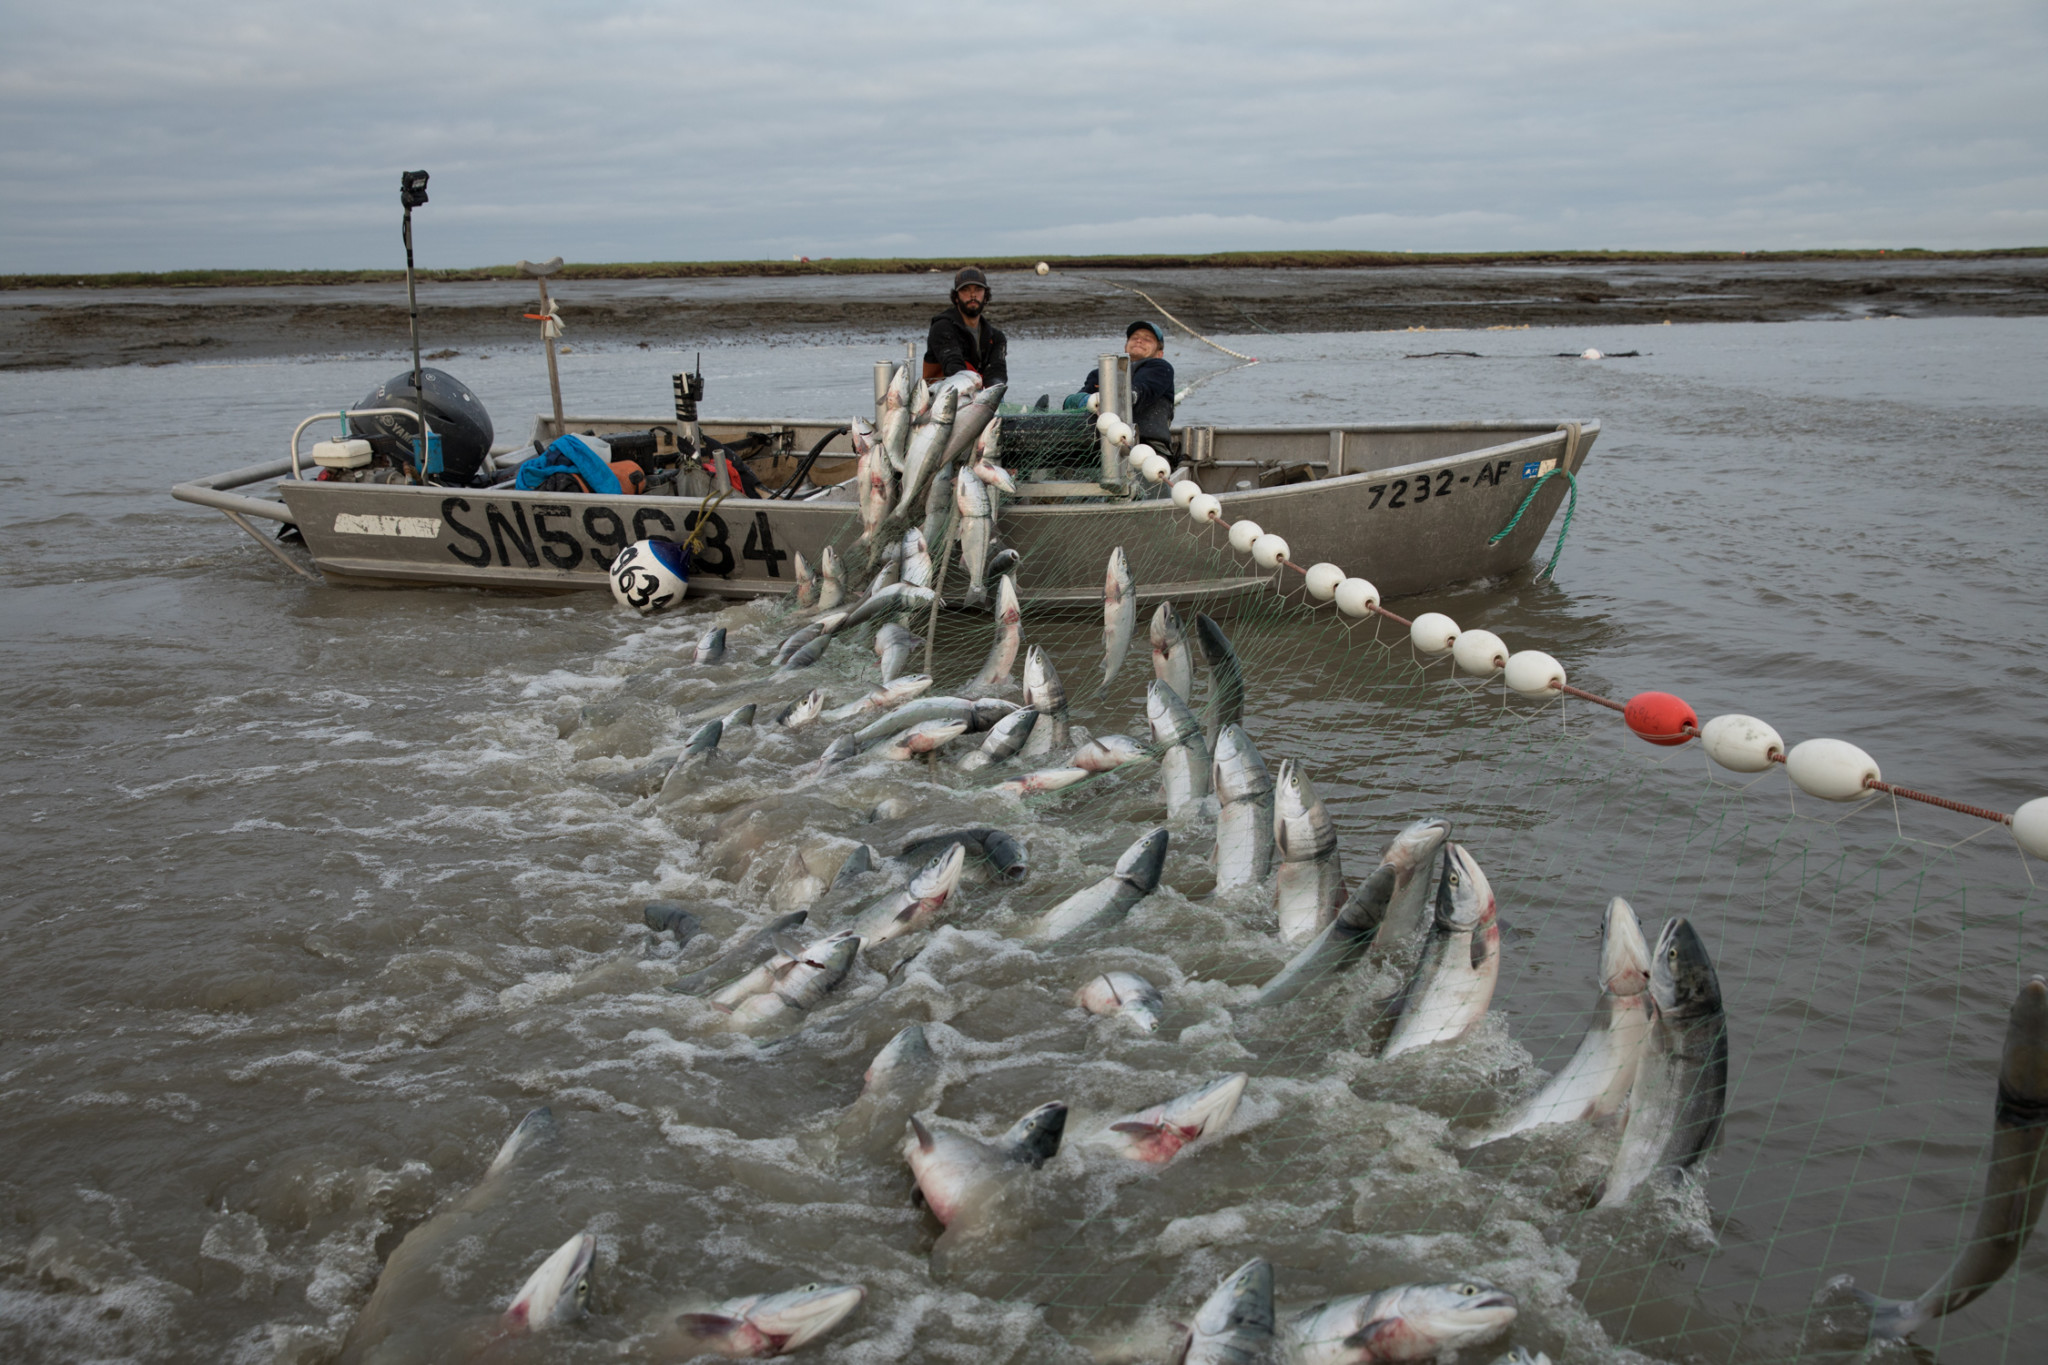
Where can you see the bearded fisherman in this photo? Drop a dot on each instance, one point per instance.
(962, 339)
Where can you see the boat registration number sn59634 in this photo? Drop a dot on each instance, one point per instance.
(567, 538)
(1417, 489)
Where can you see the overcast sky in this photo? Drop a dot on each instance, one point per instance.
(165, 134)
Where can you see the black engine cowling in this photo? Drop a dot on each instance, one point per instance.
(453, 413)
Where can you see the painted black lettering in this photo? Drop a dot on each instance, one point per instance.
(1400, 497)
(761, 545)
(502, 528)
(647, 514)
(559, 548)
(1500, 471)
(482, 556)
(1443, 485)
(714, 551)
(1379, 490)
(610, 539)
(1485, 475)
(1422, 489)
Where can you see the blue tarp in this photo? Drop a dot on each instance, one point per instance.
(585, 458)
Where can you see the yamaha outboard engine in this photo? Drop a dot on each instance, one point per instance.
(454, 415)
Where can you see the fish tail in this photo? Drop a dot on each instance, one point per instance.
(1891, 1318)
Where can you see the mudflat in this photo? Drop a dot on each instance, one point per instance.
(67, 328)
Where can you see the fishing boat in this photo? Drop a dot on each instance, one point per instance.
(1411, 506)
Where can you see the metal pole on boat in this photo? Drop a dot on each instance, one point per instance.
(549, 329)
(885, 370)
(1113, 385)
(412, 192)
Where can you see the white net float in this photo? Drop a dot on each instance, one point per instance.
(1270, 551)
(1433, 633)
(1322, 581)
(2030, 826)
(1243, 533)
(1155, 466)
(1832, 769)
(1590, 354)
(1480, 653)
(1095, 402)
(650, 575)
(1357, 597)
(1532, 673)
(1741, 744)
(1044, 269)
(1184, 491)
(1137, 453)
(1204, 507)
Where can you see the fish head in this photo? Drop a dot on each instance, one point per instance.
(2023, 1069)
(1143, 861)
(1243, 1302)
(1035, 1138)
(828, 563)
(1464, 899)
(946, 403)
(1172, 722)
(1413, 852)
(1159, 1133)
(909, 1048)
(706, 737)
(1002, 561)
(940, 877)
(933, 734)
(532, 1133)
(1238, 771)
(739, 717)
(1682, 977)
(1005, 855)
(1624, 955)
(989, 710)
(558, 1292)
(1042, 687)
(807, 710)
(899, 690)
(1008, 612)
(1422, 1321)
(1301, 823)
(992, 474)
(1166, 633)
(1116, 582)
(833, 955)
(774, 1324)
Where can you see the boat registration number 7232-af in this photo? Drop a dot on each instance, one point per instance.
(1417, 489)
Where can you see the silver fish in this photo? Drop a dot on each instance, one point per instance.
(888, 569)
(1184, 761)
(1119, 613)
(1452, 985)
(806, 583)
(2014, 1186)
(971, 419)
(1596, 1081)
(1042, 690)
(1123, 995)
(1158, 1134)
(906, 1056)
(952, 1168)
(1002, 653)
(989, 711)
(939, 518)
(971, 503)
(917, 559)
(696, 752)
(711, 647)
(898, 408)
(915, 710)
(1108, 901)
(747, 959)
(1226, 677)
(1408, 1322)
(1308, 887)
(557, 1292)
(739, 718)
(1404, 875)
(803, 635)
(831, 585)
(1004, 560)
(802, 711)
(903, 911)
(1005, 740)
(1234, 1325)
(874, 482)
(992, 853)
(1105, 753)
(1044, 780)
(927, 442)
(887, 697)
(894, 646)
(923, 738)
(984, 465)
(800, 987)
(889, 598)
(1681, 1088)
(1173, 663)
(1244, 819)
(762, 1325)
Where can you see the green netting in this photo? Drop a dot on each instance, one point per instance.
(1050, 444)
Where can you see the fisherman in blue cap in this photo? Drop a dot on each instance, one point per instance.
(1151, 385)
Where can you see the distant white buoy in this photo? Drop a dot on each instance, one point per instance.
(1535, 674)
(1269, 550)
(1184, 491)
(1832, 769)
(1433, 633)
(1137, 453)
(1243, 533)
(1155, 467)
(1044, 269)
(1323, 580)
(2030, 826)
(1589, 354)
(1741, 744)
(1480, 653)
(1204, 507)
(1357, 597)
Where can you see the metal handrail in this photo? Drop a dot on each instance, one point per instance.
(346, 413)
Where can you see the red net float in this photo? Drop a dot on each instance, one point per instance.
(1660, 718)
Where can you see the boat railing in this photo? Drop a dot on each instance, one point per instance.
(426, 427)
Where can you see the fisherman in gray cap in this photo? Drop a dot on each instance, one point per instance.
(962, 339)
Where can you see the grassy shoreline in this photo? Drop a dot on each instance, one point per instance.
(1256, 260)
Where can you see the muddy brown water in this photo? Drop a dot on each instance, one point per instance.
(313, 892)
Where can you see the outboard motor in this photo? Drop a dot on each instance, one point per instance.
(454, 414)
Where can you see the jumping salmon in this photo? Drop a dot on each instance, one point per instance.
(1404, 875)
(1184, 760)
(1409, 1322)
(1119, 613)
(1002, 652)
(1308, 887)
(1452, 985)
(1681, 1087)
(1234, 1325)
(1108, 901)
(1158, 1134)
(1244, 819)
(952, 1168)
(1172, 663)
(1123, 995)
(762, 1325)
(1226, 677)
(1043, 691)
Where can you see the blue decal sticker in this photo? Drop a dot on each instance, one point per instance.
(1532, 469)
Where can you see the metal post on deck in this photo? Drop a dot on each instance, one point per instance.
(550, 328)
(1113, 385)
(885, 370)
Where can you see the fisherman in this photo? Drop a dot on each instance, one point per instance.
(961, 339)
(1151, 386)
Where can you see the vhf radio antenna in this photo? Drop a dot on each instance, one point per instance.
(412, 192)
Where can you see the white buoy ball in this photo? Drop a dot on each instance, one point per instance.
(1155, 467)
(1741, 744)
(1270, 550)
(1184, 491)
(1832, 769)
(650, 575)
(1105, 422)
(1137, 453)
(1243, 533)
(1480, 653)
(1095, 402)
(2030, 826)
(1532, 673)
(1204, 507)
(1357, 597)
(1323, 580)
(1044, 269)
(1589, 354)
(1433, 633)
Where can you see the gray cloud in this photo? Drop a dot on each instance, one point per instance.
(159, 136)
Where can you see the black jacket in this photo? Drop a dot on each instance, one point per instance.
(952, 347)
(1151, 399)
